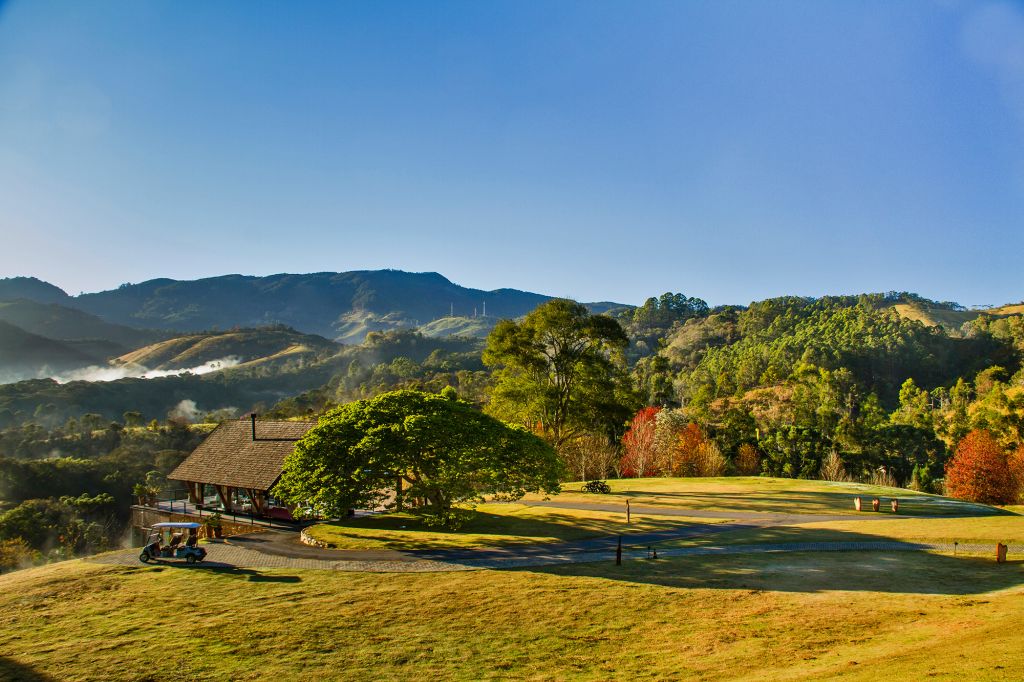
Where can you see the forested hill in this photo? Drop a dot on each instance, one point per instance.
(732, 350)
(342, 306)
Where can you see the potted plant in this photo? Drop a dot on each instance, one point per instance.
(214, 527)
(145, 493)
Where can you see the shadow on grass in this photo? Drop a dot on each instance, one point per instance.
(490, 528)
(220, 568)
(19, 672)
(800, 570)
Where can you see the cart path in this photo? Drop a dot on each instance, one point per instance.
(225, 556)
(283, 549)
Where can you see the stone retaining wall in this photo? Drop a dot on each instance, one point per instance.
(307, 539)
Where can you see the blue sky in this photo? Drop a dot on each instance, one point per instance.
(599, 150)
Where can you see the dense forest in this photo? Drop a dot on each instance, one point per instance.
(876, 387)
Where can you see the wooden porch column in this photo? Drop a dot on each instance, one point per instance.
(259, 502)
(225, 493)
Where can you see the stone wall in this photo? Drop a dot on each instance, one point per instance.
(307, 539)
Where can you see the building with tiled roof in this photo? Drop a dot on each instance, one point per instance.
(244, 455)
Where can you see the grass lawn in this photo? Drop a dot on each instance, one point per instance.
(899, 616)
(979, 530)
(490, 525)
(767, 495)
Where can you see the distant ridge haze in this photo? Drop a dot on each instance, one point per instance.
(341, 305)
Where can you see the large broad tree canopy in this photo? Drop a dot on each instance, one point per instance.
(561, 368)
(443, 450)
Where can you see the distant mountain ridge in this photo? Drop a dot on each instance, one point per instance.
(31, 289)
(343, 306)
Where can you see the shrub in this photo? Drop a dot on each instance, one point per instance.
(708, 460)
(599, 487)
(980, 471)
(747, 461)
(832, 468)
(16, 553)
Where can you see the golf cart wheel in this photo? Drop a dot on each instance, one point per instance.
(191, 559)
(144, 557)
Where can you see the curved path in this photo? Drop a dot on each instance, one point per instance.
(282, 549)
(234, 557)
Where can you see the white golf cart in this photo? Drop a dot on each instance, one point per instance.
(173, 541)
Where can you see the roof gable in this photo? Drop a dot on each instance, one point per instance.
(229, 456)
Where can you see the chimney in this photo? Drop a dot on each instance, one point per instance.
(252, 415)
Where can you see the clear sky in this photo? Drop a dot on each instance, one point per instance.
(600, 150)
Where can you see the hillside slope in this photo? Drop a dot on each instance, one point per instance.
(952, 320)
(245, 346)
(59, 322)
(25, 355)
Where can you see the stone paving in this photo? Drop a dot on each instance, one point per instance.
(223, 555)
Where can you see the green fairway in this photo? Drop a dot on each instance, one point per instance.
(769, 495)
(856, 616)
(489, 525)
(977, 530)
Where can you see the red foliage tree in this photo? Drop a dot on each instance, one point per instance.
(639, 456)
(980, 471)
(1016, 463)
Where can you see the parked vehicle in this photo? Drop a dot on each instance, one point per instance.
(173, 541)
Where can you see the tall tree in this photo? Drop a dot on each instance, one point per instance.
(561, 371)
(640, 456)
(442, 449)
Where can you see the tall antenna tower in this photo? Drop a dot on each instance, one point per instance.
(452, 313)
(485, 308)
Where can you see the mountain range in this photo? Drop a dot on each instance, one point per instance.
(344, 306)
(46, 331)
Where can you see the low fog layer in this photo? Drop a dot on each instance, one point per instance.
(113, 373)
(97, 373)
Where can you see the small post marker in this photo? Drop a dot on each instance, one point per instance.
(627, 511)
(1000, 553)
(618, 553)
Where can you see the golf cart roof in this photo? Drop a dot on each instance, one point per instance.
(177, 524)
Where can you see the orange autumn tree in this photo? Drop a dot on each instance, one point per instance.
(640, 456)
(1016, 464)
(696, 454)
(980, 471)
